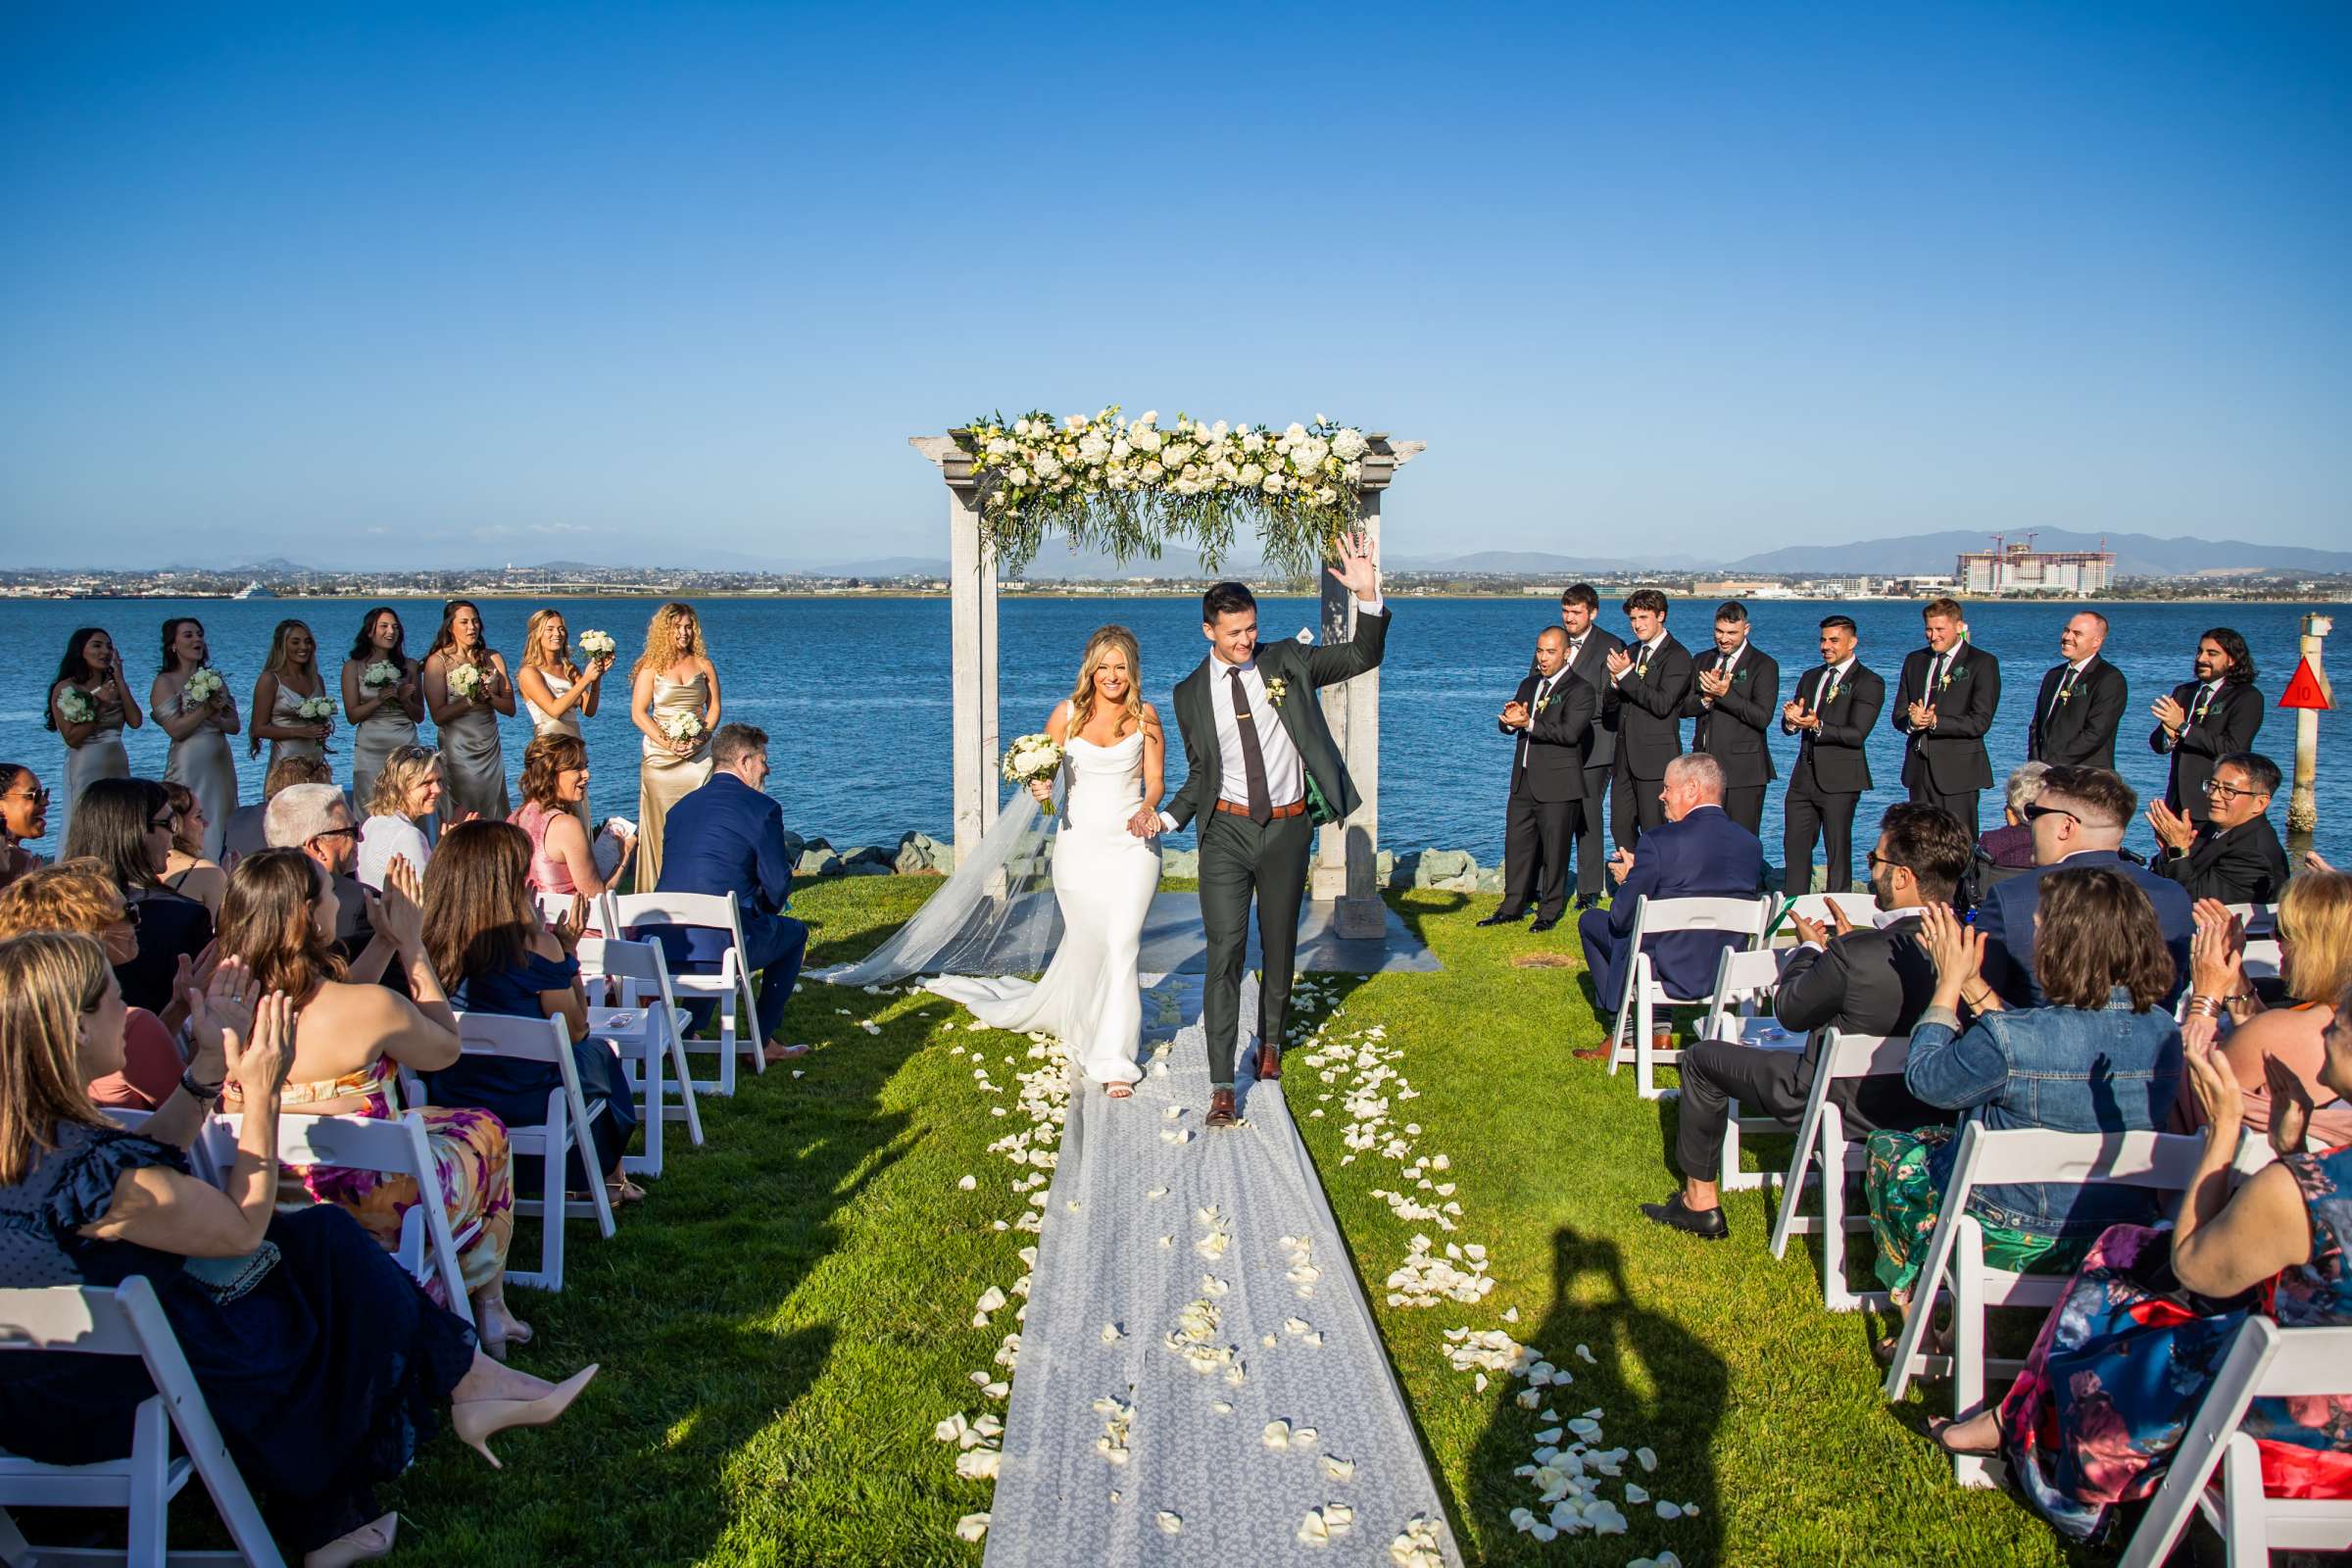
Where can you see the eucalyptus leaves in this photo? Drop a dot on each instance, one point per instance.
(1132, 487)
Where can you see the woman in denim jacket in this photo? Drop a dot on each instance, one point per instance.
(2104, 1056)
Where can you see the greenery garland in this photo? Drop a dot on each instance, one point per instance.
(1132, 488)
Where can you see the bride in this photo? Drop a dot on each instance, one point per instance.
(1113, 754)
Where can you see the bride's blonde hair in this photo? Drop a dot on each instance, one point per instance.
(1107, 639)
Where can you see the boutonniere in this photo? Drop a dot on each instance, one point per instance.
(1542, 702)
(2065, 696)
(1277, 689)
(1740, 674)
(1951, 674)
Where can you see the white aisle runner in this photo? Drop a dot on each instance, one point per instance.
(1191, 1291)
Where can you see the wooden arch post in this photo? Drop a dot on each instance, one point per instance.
(1345, 869)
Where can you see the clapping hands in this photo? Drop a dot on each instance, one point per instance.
(1714, 682)
(1922, 715)
(1957, 948)
(397, 913)
(1795, 714)
(2216, 952)
(2173, 830)
(2171, 715)
(2290, 1106)
(1619, 662)
(1514, 715)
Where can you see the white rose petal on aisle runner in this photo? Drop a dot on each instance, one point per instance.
(1194, 1391)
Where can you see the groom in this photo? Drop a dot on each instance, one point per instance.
(1263, 771)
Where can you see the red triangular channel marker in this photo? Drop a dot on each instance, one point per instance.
(2307, 690)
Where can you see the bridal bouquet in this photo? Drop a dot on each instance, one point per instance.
(597, 644)
(313, 709)
(201, 688)
(76, 706)
(682, 724)
(380, 674)
(1032, 758)
(465, 680)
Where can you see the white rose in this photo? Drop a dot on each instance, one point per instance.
(1020, 427)
(1251, 441)
(1186, 487)
(1148, 417)
(1016, 474)
(1146, 439)
(997, 446)
(1327, 495)
(1273, 484)
(1350, 443)
(1353, 473)
(1154, 470)
(1296, 431)
(1217, 431)
(1252, 474)
(1308, 454)
(1222, 467)
(1093, 446)
(1048, 465)
(1120, 448)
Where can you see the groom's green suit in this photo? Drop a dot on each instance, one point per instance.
(1239, 857)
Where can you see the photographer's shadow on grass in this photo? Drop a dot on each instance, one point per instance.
(1656, 1385)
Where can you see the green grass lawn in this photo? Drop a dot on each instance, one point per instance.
(784, 1321)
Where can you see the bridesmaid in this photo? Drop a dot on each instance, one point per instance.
(201, 757)
(23, 817)
(289, 678)
(383, 718)
(90, 682)
(556, 691)
(674, 676)
(473, 761)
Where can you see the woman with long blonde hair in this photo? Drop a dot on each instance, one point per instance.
(467, 689)
(1113, 759)
(288, 679)
(675, 701)
(557, 692)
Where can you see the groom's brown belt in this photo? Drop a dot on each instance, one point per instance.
(1295, 808)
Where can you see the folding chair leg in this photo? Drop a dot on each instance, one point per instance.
(1968, 1344)
(654, 1097)
(687, 1109)
(149, 1494)
(2243, 1523)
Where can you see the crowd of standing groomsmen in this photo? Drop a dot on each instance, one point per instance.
(1599, 717)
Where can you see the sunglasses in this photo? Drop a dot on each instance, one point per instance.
(1874, 859)
(38, 797)
(2037, 812)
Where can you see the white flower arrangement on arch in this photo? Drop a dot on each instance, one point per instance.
(1131, 486)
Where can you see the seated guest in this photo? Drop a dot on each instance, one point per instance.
(312, 818)
(124, 824)
(317, 1357)
(2277, 1052)
(483, 927)
(76, 897)
(2078, 821)
(553, 813)
(2132, 1348)
(1696, 852)
(2101, 1055)
(728, 837)
(406, 791)
(2011, 845)
(187, 870)
(24, 816)
(245, 834)
(1868, 980)
(350, 1044)
(2234, 854)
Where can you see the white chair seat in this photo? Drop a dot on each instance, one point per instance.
(1823, 1152)
(1643, 994)
(649, 1030)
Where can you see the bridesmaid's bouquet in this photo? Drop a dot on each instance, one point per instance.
(311, 709)
(682, 724)
(597, 644)
(202, 687)
(1032, 758)
(465, 681)
(75, 704)
(380, 674)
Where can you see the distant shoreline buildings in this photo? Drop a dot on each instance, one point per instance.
(2016, 568)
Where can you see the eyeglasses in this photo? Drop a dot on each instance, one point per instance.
(2226, 792)
(37, 795)
(335, 833)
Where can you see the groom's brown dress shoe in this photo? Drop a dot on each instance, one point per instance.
(1269, 1063)
(1220, 1108)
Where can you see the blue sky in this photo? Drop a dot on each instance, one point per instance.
(364, 284)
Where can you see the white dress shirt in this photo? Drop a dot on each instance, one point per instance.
(1543, 686)
(1638, 652)
(2066, 684)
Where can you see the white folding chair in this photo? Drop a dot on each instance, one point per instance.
(1821, 1138)
(428, 1244)
(566, 1128)
(2015, 1156)
(127, 1321)
(1739, 1012)
(202, 1161)
(2256, 919)
(647, 1027)
(729, 988)
(1643, 994)
(2265, 1361)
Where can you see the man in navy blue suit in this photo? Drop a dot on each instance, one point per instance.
(728, 837)
(2078, 821)
(1696, 852)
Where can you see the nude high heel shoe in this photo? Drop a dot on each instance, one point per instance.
(349, 1549)
(477, 1421)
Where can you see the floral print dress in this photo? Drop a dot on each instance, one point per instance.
(2121, 1366)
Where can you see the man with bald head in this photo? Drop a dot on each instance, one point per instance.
(1549, 724)
(2082, 701)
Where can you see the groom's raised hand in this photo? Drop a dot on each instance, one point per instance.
(1358, 571)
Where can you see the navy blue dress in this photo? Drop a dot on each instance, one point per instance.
(518, 1091)
(323, 1364)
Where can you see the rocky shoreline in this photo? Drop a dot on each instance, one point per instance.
(920, 855)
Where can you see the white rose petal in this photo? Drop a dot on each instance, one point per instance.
(1169, 1523)
(967, 1182)
(978, 1464)
(971, 1527)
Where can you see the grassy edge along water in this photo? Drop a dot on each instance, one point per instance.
(788, 1316)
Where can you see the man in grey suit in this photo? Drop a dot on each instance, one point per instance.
(1262, 772)
(1589, 651)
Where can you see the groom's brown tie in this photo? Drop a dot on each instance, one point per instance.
(1254, 762)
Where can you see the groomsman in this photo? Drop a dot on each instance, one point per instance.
(1549, 720)
(1589, 651)
(1943, 704)
(1834, 709)
(2215, 716)
(1648, 678)
(2081, 703)
(1735, 696)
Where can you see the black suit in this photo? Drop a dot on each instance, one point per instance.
(1548, 792)
(2243, 864)
(1866, 982)
(1947, 766)
(1648, 705)
(1591, 665)
(2079, 732)
(1731, 729)
(1831, 773)
(2229, 723)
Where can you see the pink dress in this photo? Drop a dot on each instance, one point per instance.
(547, 874)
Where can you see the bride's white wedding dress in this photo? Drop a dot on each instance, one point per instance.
(1103, 878)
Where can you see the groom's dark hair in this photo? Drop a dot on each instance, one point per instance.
(1225, 599)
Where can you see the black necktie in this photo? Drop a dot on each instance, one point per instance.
(1254, 762)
